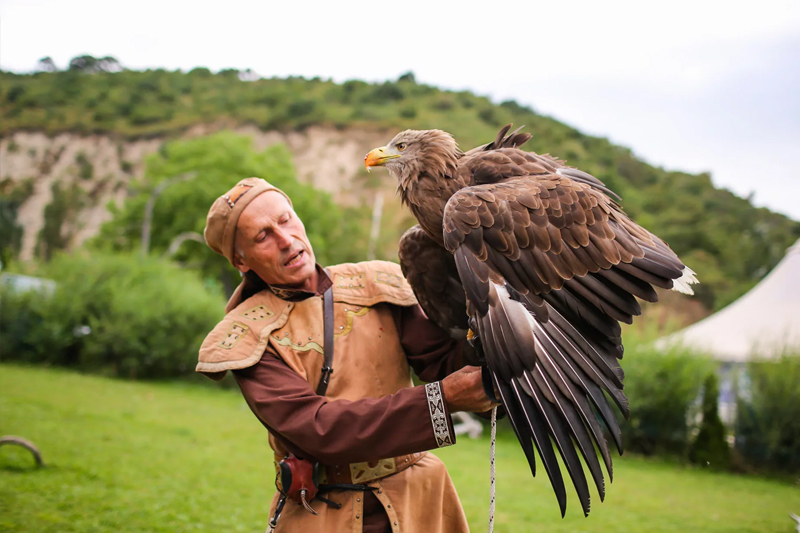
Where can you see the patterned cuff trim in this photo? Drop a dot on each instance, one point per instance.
(441, 429)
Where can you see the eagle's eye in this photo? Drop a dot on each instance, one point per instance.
(400, 146)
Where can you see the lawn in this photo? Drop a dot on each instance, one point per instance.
(127, 456)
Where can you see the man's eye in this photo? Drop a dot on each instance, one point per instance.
(400, 146)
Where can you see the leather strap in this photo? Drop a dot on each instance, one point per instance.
(327, 317)
(359, 473)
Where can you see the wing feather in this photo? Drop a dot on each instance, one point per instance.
(549, 265)
(431, 272)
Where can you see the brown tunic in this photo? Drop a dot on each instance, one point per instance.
(311, 426)
(370, 411)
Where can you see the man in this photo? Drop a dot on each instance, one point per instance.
(371, 429)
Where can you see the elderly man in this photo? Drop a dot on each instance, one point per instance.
(324, 359)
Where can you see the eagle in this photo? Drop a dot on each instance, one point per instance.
(537, 264)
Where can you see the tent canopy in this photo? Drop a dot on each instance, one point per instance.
(764, 322)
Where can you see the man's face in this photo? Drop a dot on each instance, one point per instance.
(274, 243)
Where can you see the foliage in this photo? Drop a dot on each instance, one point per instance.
(768, 414)
(85, 167)
(662, 388)
(213, 165)
(54, 235)
(119, 315)
(46, 64)
(90, 64)
(170, 457)
(710, 449)
(729, 242)
(12, 195)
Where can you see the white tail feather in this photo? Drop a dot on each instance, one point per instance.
(682, 284)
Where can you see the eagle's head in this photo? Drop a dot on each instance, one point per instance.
(413, 154)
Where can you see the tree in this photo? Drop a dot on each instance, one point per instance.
(710, 449)
(90, 65)
(218, 162)
(46, 64)
(408, 76)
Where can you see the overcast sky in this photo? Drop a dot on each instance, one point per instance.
(696, 86)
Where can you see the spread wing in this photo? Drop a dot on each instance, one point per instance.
(550, 266)
(431, 272)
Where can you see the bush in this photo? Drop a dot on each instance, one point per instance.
(768, 415)
(662, 389)
(118, 315)
(710, 447)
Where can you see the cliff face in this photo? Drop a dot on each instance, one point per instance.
(103, 168)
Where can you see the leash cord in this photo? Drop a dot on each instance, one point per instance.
(492, 471)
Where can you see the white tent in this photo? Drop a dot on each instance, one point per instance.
(765, 321)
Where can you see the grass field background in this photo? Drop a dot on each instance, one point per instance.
(173, 457)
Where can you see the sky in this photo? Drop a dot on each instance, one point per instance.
(694, 86)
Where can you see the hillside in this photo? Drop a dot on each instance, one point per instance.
(72, 141)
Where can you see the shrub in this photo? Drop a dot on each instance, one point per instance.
(301, 108)
(487, 115)
(387, 92)
(85, 167)
(408, 112)
(768, 415)
(118, 315)
(662, 388)
(710, 447)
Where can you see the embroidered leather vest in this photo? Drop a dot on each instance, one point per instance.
(368, 361)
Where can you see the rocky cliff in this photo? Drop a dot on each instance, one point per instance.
(103, 168)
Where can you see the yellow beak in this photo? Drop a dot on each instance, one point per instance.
(378, 157)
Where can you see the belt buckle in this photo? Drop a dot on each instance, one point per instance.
(368, 471)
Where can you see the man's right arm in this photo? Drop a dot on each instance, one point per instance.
(344, 431)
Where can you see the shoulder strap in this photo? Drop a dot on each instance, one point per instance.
(327, 366)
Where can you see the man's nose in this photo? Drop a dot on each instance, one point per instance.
(284, 239)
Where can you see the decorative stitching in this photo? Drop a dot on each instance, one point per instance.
(232, 198)
(259, 312)
(284, 294)
(370, 471)
(344, 330)
(285, 341)
(441, 430)
(235, 334)
(388, 279)
(356, 281)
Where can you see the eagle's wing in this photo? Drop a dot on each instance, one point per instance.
(515, 139)
(549, 265)
(431, 272)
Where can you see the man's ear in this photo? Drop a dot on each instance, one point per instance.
(239, 263)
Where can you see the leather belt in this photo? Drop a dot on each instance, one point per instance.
(360, 473)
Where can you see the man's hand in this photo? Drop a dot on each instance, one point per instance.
(463, 391)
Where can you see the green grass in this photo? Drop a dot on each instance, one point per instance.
(127, 456)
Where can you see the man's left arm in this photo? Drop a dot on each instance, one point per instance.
(431, 351)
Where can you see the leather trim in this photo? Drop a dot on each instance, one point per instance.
(217, 370)
(366, 472)
(441, 429)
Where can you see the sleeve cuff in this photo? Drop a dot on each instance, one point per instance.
(440, 418)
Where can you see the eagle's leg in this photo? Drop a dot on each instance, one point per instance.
(486, 374)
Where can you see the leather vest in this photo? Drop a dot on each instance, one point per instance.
(369, 362)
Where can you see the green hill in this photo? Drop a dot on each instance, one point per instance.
(728, 241)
